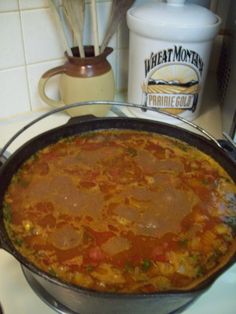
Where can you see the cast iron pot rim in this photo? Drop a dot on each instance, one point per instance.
(10, 248)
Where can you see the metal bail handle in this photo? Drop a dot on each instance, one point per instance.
(1, 310)
(113, 103)
(3, 159)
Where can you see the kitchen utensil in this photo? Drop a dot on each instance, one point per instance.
(80, 4)
(95, 27)
(86, 301)
(78, 7)
(81, 79)
(74, 11)
(56, 14)
(118, 11)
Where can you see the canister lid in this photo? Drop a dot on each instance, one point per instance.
(175, 13)
(173, 20)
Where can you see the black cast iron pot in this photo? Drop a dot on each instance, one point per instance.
(84, 301)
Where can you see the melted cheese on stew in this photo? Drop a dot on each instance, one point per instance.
(122, 211)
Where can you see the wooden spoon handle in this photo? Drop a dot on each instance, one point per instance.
(95, 27)
(118, 11)
(71, 14)
(81, 10)
(56, 15)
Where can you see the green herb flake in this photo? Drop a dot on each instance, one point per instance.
(52, 271)
(194, 258)
(181, 146)
(89, 268)
(205, 181)
(183, 242)
(23, 183)
(33, 158)
(201, 271)
(18, 242)
(87, 135)
(131, 151)
(146, 264)
(225, 179)
(7, 213)
(217, 253)
(69, 139)
(128, 267)
(16, 177)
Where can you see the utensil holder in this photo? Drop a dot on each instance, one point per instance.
(82, 79)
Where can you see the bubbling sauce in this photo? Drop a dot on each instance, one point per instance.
(122, 211)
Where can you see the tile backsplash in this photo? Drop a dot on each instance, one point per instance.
(30, 45)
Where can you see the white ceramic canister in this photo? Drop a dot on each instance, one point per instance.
(169, 50)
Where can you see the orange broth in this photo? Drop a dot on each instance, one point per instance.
(122, 211)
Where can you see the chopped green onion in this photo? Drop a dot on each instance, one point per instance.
(51, 271)
(23, 183)
(205, 181)
(183, 242)
(181, 146)
(146, 264)
(128, 267)
(131, 151)
(7, 212)
(18, 242)
(201, 271)
(89, 268)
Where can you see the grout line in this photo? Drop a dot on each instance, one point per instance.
(9, 68)
(33, 9)
(46, 6)
(25, 59)
(46, 61)
(23, 10)
(31, 64)
(9, 11)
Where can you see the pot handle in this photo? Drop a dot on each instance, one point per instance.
(42, 86)
(4, 245)
(76, 120)
(2, 160)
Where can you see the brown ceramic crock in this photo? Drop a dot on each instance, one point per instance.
(82, 79)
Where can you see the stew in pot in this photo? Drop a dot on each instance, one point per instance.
(122, 211)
